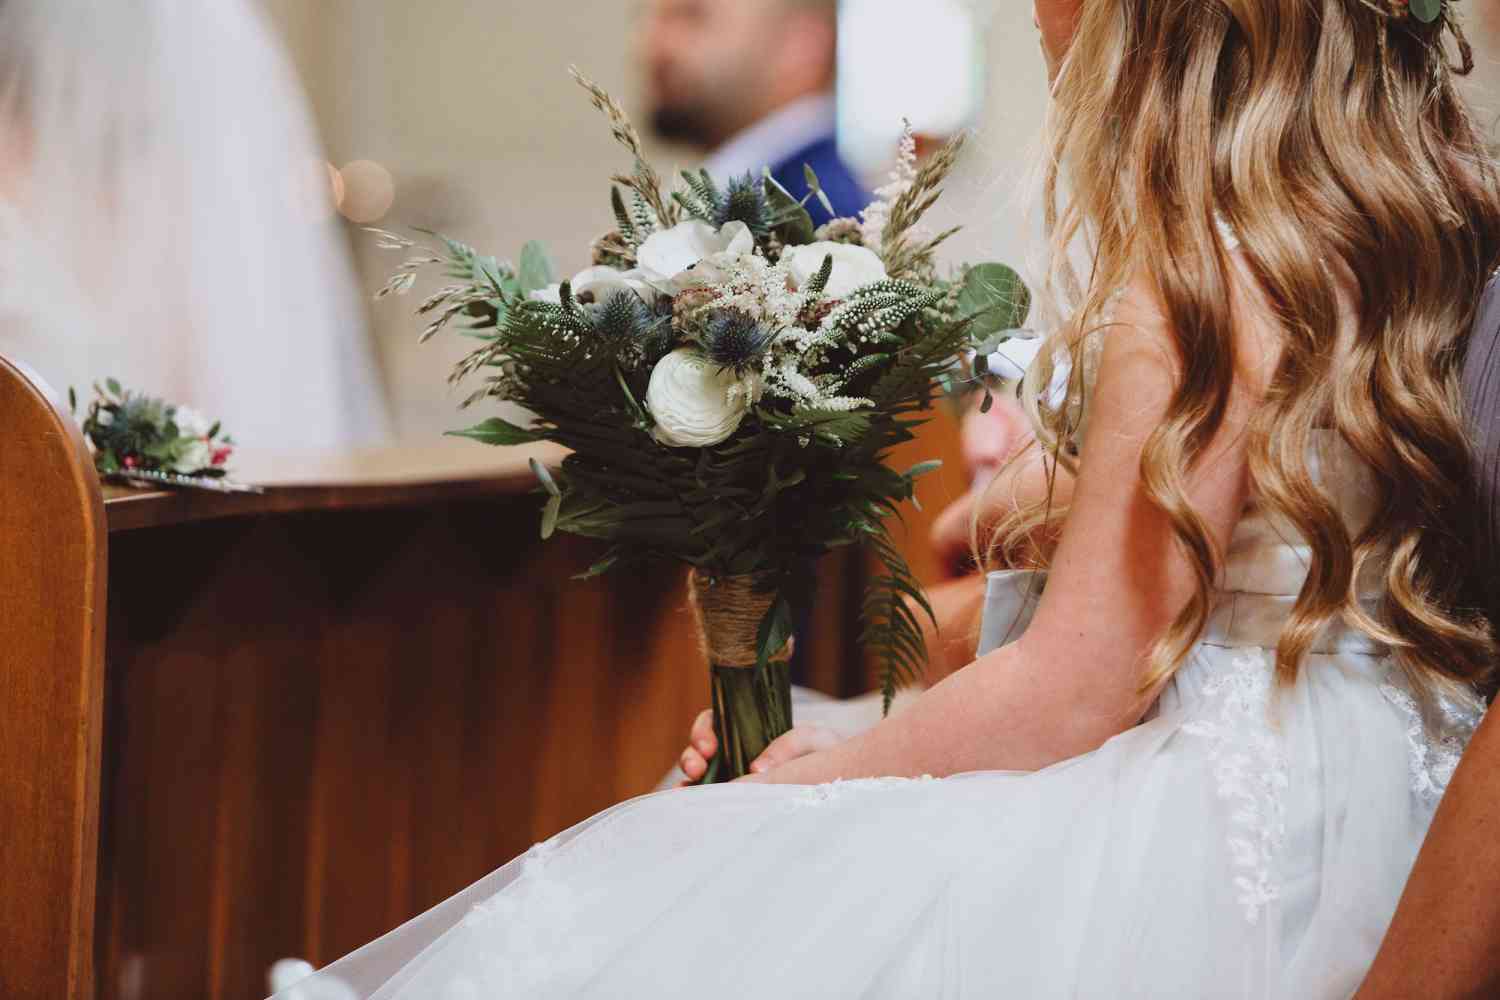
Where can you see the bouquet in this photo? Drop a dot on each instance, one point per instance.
(729, 381)
(140, 437)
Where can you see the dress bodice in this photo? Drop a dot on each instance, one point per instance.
(1264, 568)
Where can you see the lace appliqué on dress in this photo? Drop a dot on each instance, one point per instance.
(1434, 752)
(817, 795)
(1251, 770)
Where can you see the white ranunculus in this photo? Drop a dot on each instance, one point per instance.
(668, 258)
(552, 293)
(191, 423)
(696, 403)
(195, 456)
(853, 267)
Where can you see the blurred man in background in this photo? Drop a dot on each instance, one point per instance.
(751, 82)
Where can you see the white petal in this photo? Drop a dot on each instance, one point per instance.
(668, 253)
(736, 239)
(552, 293)
(853, 266)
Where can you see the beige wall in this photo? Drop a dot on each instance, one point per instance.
(469, 105)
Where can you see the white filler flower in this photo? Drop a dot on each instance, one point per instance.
(853, 267)
(669, 258)
(191, 423)
(695, 403)
(195, 457)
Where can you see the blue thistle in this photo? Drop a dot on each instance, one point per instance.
(745, 201)
(658, 336)
(734, 339)
(621, 318)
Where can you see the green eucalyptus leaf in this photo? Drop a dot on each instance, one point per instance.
(113, 386)
(789, 219)
(993, 298)
(609, 562)
(545, 478)
(922, 468)
(549, 515)
(497, 432)
(1427, 11)
(536, 270)
(775, 629)
(816, 188)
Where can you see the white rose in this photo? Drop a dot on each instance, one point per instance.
(195, 456)
(669, 258)
(853, 267)
(694, 401)
(191, 423)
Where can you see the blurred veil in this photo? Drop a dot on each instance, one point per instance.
(166, 219)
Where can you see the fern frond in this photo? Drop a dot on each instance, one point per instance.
(891, 629)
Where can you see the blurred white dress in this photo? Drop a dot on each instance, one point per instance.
(166, 219)
(1243, 841)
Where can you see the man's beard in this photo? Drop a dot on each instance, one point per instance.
(686, 125)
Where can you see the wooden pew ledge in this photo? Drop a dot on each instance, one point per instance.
(406, 474)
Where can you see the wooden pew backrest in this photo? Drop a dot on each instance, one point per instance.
(53, 546)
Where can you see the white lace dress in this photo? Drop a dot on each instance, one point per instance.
(1244, 841)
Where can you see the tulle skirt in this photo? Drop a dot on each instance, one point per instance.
(1244, 841)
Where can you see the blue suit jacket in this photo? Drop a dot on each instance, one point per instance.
(848, 195)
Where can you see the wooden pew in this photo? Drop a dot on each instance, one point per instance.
(313, 713)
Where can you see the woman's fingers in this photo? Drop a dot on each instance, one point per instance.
(702, 745)
(799, 742)
(693, 764)
(702, 737)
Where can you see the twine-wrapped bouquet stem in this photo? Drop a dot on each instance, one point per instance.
(751, 697)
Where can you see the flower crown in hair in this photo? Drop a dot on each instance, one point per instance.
(1426, 11)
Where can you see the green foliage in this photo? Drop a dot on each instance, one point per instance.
(788, 219)
(818, 283)
(993, 299)
(497, 431)
(815, 186)
(536, 270)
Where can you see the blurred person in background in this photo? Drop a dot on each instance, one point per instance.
(167, 219)
(752, 83)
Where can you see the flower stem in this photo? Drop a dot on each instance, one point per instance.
(752, 707)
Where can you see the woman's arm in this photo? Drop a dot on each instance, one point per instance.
(1444, 943)
(1118, 579)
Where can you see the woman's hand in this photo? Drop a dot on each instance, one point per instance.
(703, 744)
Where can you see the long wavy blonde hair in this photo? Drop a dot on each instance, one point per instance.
(1329, 137)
